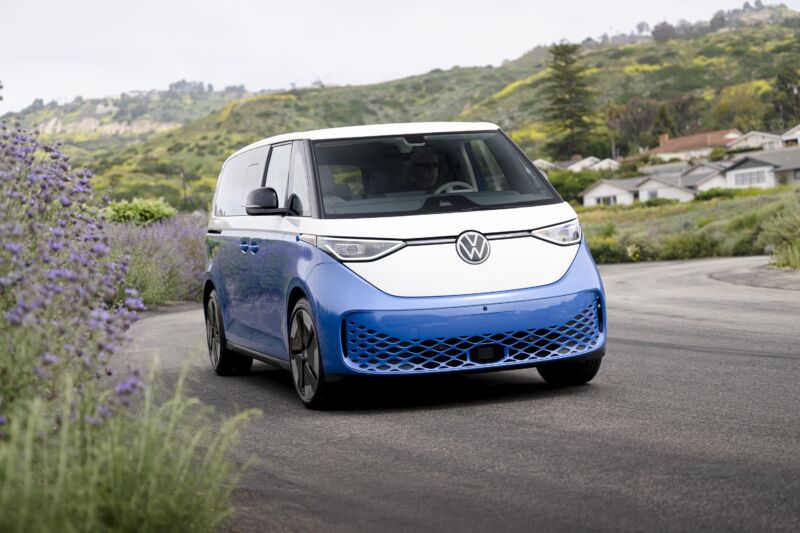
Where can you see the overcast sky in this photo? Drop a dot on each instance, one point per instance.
(57, 49)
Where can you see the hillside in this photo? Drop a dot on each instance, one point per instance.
(89, 124)
(633, 77)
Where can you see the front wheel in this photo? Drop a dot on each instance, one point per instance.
(308, 373)
(569, 373)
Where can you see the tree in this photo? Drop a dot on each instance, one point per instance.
(741, 106)
(786, 96)
(568, 108)
(718, 21)
(635, 122)
(759, 4)
(642, 27)
(663, 32)
(664, 122)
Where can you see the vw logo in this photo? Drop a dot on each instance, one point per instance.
(473, 247)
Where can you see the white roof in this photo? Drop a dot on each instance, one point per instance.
(376, 130)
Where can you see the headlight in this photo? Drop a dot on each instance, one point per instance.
(357, 249)
(563, 234)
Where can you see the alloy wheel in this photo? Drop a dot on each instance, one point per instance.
(212, 333)
(305, 360)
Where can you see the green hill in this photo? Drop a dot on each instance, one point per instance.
(633, 76)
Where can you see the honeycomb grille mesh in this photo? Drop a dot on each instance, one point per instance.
(369, 350)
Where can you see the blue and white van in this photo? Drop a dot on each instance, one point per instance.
(397, 249)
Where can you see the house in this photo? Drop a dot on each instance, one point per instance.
(765, 169)
(704, 175)
(791, 137)
(612, 192)
(543, 164)
(696, 146)
(590, 163)
(666, 186)
(757, 140)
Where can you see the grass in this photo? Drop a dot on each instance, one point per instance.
(167, 468)
(744, 225)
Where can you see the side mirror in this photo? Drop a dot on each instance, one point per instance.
(263, 201)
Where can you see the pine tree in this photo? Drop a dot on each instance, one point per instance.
(569, 102)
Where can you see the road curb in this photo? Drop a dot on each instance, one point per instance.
(761, 276)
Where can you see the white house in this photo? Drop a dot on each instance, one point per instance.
(543, 164)
(663, 187)
(605, 164)
(611, 192)
(750, 172)
(780, 167)
(589, 163)
(757, 140)
(791, 137)
(704, 176)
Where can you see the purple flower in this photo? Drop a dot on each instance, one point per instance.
(49, 359)
(13, 247)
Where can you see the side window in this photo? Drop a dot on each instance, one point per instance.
(252, 180)
(278, 171)
(230, 187)
(240, 175)
(298, 181)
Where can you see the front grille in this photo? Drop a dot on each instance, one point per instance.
(373, 351)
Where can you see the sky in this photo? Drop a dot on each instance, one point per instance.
(57, 50)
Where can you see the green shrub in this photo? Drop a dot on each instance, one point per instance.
(716, 192)
(164, 469)
(139, 211)
(687, 245)
(781, 235)
(655, 202)
(607, 249)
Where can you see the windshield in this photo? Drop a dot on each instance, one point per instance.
(419, 174)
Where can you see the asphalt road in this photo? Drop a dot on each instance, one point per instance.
(693, 423)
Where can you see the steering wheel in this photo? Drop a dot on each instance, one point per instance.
(454, 186)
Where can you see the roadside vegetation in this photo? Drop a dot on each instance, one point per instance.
(750, 223)
(83, 446)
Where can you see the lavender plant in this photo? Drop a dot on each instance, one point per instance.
(74, 455)
(57, 281)
(165, 259)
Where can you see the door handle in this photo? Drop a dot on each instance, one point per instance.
(253, 247)
(244, 246)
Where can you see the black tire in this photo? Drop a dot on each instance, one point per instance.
(305, 358)
(569, 373)
(224, 361)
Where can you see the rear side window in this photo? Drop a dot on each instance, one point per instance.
(240, 175)
(278, 170)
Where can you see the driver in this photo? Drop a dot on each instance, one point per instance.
(425, 169)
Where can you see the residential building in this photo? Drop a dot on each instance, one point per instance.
(696, 146)
(791, 137)
(757, 140)
(587, 163)
(664, 186)
(766, 169)
(612, 192)
(704, 175)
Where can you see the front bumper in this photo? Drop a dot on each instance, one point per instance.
(365, 331)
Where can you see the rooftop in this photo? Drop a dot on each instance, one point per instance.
(707, 139)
